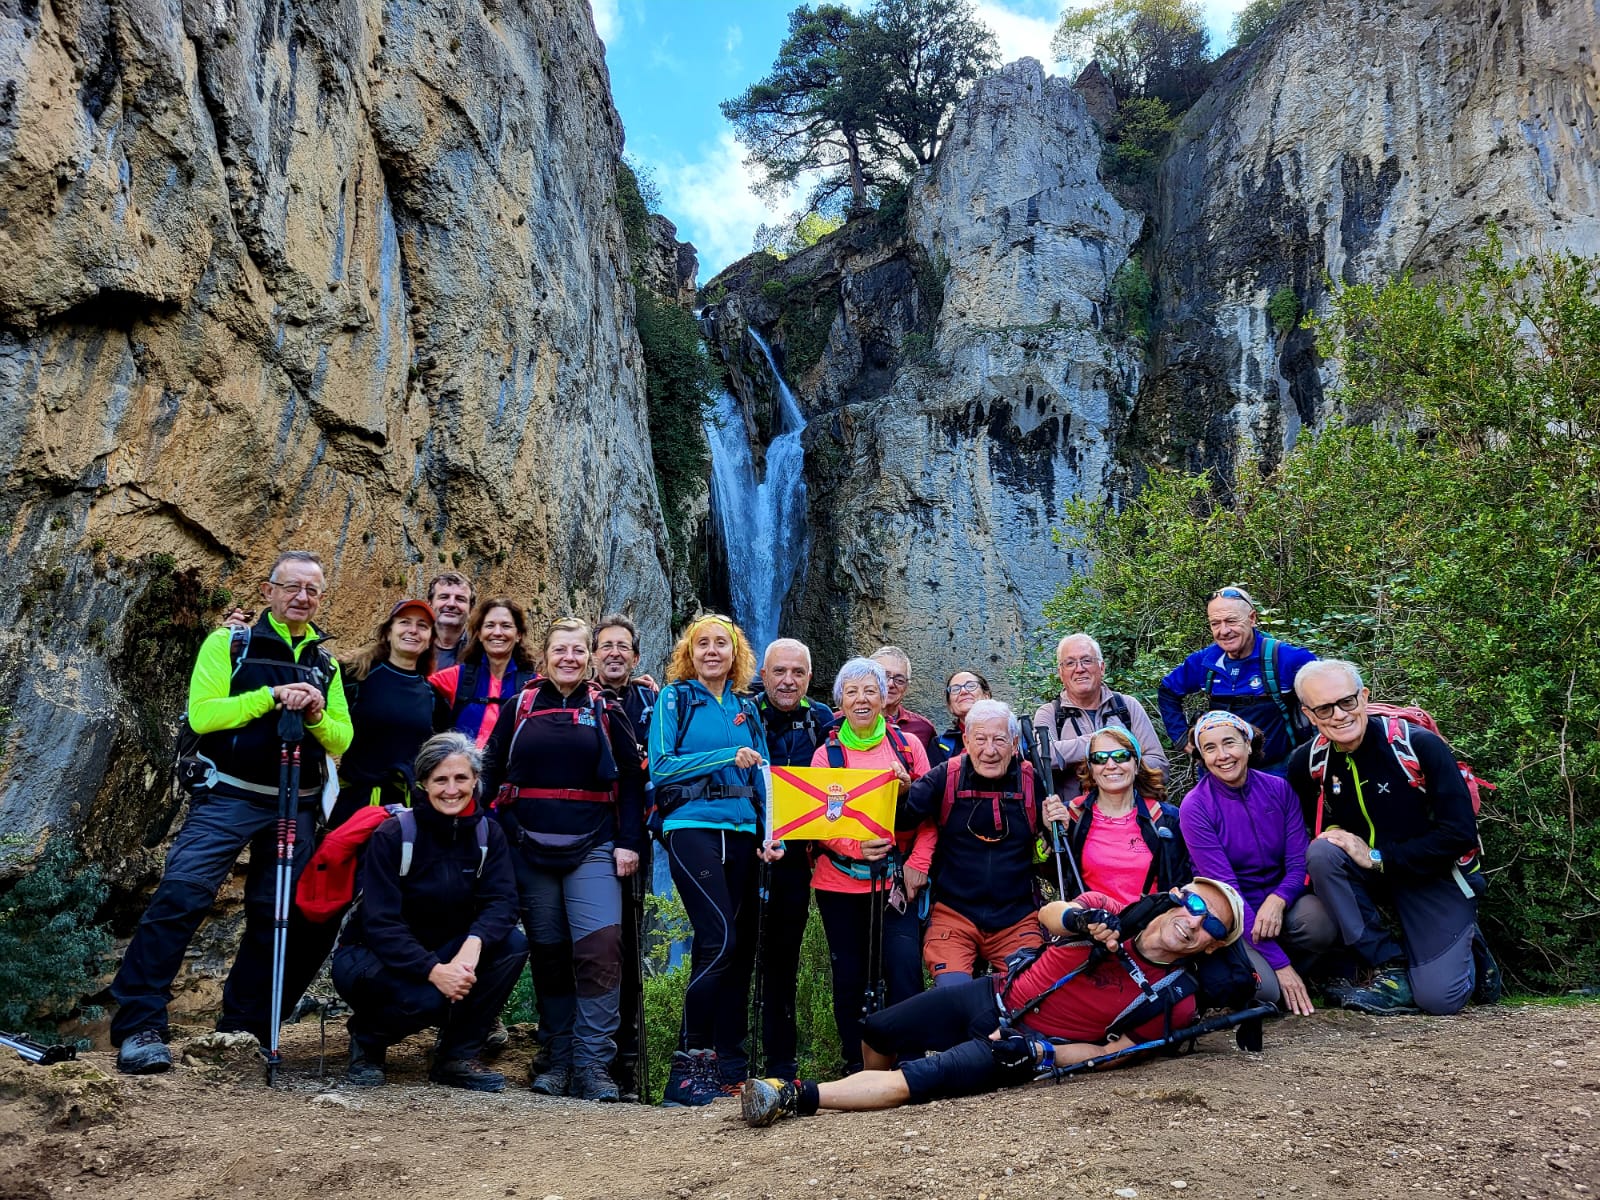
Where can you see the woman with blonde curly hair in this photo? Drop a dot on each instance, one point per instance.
(706, 743)
(1123, 832)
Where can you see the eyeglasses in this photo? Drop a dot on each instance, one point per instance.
(1323, 711)
(312, 591)
(1101, 757)
(1088, 660)
(902, 680)
(972, 686)
(1195, 905)
(625, 647)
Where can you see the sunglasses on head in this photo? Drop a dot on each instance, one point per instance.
(1101, 757)
(1196, 906)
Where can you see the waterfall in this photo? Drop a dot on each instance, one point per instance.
(761, 521)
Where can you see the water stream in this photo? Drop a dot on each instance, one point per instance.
(761, 522)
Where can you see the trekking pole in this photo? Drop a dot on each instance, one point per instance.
(33, 1052)
(1035, 746)
(758, 991)
(1248, 1020)
(291, 731)
(641, 1063)
(872, 1000)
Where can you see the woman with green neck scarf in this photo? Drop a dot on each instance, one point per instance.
(843, 878)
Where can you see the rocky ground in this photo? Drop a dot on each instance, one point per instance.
(1497, 1103)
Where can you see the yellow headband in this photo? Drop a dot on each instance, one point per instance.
(733, 632)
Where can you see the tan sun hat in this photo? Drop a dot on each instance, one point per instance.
(1235, 902)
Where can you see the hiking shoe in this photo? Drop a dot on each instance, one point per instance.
(555, 1080)
(1388, 992)
(625, 1074)
(764, 1101)
(1488, 986)
(143, 1053)
(365, 1069)
(499, 1037)
(469, 1074)
(692, 1080)
(593, 1083)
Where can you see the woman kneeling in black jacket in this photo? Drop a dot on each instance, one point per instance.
(433, 939)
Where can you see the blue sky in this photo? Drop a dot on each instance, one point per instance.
(672, 61)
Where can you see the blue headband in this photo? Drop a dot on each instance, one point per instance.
(1219, 716)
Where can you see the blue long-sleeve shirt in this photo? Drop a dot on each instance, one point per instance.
(714, 731)
(1238, 684)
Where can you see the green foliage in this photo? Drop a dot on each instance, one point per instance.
(1131, 293)
(52, 951)
(1253, 20)
(1147, 48)
(1452, 547)
(917, 349)
(1284, 309)
(930, 271)
(804, 323)
(859, 101)
(799, 231)
(679, 381)
(1137, 142)
(636, 198)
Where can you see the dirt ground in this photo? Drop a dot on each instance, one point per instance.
(1496, 1103)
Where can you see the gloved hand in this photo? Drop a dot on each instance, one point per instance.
(1014, 1058)
(1078, 920)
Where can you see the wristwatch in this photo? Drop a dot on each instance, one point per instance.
(1376, 856)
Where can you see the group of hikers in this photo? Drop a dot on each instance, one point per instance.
(471, 800)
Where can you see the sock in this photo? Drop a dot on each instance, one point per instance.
(809, 1099)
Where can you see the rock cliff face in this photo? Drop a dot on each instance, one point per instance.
(966, 389)
(340, 275)
(1359, 140)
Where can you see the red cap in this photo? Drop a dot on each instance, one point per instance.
(423, 605)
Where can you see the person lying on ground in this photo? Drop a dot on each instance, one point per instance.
(1085, 705)
(1397, 831)
(1121, 830)
(1244, 827)
(985, 803)
(433, 938)
(1077, 1000)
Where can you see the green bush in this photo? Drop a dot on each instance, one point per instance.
(52, 951)
(679, 381)
(1284, 309)
(805, 323)
(1131, 293)
(1136, 143)
(1452, 547)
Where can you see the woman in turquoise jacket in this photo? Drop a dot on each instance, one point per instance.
(707, 743)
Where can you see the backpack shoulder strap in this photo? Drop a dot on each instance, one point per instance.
(1120, 710)
(897, 739)
(835, 749)
(482, 833)
(1030, 802)
(1317, 766)
(1398, 731)
(1056, 717)
(687, 703)
(952, 778)
(239, 646)
(466, 685)
(408, 839)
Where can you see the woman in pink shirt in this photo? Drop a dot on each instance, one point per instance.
(1124, 834)
(851, 876)
(494, 663)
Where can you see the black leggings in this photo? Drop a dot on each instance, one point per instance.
(715, 874)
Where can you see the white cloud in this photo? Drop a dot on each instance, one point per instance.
(732, 38)
(607, 20)
(712, 200)
(1019, 35)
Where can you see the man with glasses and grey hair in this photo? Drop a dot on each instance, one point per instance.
(1244, 671)
(1395, 830)
(241, 679)
(1085, 705)
(896, 666)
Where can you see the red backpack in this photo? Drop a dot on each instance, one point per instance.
(328, 884)
(1029, 802)
(1398, 722)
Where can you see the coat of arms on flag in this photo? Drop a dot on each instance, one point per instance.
(812, 803)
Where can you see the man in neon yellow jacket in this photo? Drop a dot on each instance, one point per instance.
(241, 678)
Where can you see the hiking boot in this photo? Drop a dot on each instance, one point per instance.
(469, 1074)
(366, 1068)
(1487, 986)
(692, 1080)
(1388, 992)
(625, 1074)
(593, 1083)
(143, 1053)
(499, 1037)
(554, 1080)
(764, 1101)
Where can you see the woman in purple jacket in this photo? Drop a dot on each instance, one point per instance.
(1244, 827)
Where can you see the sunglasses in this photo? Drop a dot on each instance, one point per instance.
(1349, 703)
(1195, 905)
(1234, 593)
(1101, 757)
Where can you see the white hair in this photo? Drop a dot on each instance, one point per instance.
(860, 668)
(1327, 666)
(988, 710)
(1099, 655)
(893, 652)
(787, 644)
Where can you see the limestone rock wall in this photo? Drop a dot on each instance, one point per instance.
(333, 274)
(1360, 139)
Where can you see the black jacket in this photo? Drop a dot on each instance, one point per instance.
(793, 737)
(1420, 832)
(406, 920)
(988, 882)
(391, 714)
